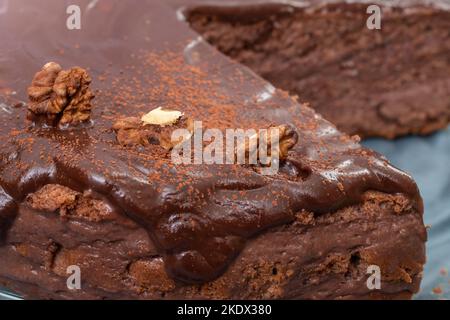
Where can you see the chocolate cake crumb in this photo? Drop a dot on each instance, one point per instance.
(50, 253)
(90, 209)
(305, 218)
(52, 198)
(68, 203)
(60, 97)
(149, 274)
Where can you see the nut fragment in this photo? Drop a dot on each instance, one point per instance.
(162, 117)
(132, 131)
(287, 138)
(60, 97)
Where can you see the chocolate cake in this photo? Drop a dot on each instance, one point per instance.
(85, 183)
(388, 82)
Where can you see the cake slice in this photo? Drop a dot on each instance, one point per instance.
(384, 82)
(85, 186)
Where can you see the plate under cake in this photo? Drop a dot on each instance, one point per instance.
(140, 227)
(386, 83)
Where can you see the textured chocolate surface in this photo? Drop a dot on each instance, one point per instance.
(198, 218)
(294, 261)
(389, 82)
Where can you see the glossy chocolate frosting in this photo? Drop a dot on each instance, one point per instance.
(140, 55)
(268, 6)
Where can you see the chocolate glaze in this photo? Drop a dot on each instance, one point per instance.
(141, 56)
(268, 6)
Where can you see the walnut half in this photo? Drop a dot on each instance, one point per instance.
(287, 139)
(60, 97)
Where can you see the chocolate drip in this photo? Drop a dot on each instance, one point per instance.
(199, 216)
(8, 209)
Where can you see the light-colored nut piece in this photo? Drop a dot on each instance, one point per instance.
(162, 117)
